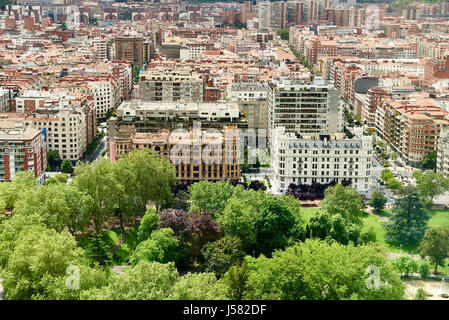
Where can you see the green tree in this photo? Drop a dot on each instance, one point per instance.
(345, 201)
(236, 280)
(146, 281)
(66, 166)
(276, 224)
(39, 254)
(430, 160)
(409, 221)
(378, 201)
(10, 230)
(209, 196)
(424, 269)
(238, 220)
(10, 192)
(435, 245)
(98, 251)
(99, 182)
(405, 265)
(367, 236)
(315, 270)
(161, 247)
(198, 286)
(151, 178)
(325, 226)
(53, 158)
(220, 255)
(430, 184)
(60, 206)
(148, 224)
(421, 295)
(136, 72)
(284, 33)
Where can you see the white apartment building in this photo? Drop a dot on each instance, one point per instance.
(321, 159)
(252, 101)
(100, 48)
(137, 110)
(246, 91)
(192, 51)
(443, 153)
(106, 96)
(4, 100)
(67, 129)
(303, 107)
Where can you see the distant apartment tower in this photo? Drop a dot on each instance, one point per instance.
(303, 107)
(21, 149)
(169, 85)
(443, 153)
(133, 50)
(272, 15)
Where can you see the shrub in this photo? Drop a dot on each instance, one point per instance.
(424, 269)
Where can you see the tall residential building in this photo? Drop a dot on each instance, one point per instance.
(411, 127)
(303, 107)
(197, 156)
(21, 149)
(133, 50)
(443, 153)
(272, 15)
(321, 159)
(171, 85)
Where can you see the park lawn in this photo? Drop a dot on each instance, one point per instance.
(307, 213)
(122, 254)
(113, 236)
(439, 218)
(378, 225)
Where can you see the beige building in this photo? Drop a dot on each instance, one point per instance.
(211, 156)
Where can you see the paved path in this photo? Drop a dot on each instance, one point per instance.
(118, 269)
(122, 239)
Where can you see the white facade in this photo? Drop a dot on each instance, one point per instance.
(4, 100)
(246, 91)
(321, 159)
(443, 153)
(106, 96)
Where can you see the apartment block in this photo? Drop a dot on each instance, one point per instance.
(322, 159)
(197, 156)
(21, 149)
(171, 85)
(151, 116)
(4, 100)
(412, 127)
(251, 98)
(303, 107)
(132, 49)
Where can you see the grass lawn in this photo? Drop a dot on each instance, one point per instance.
(122, 254)
(307, 213)
(439, 218)
(113, 236)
